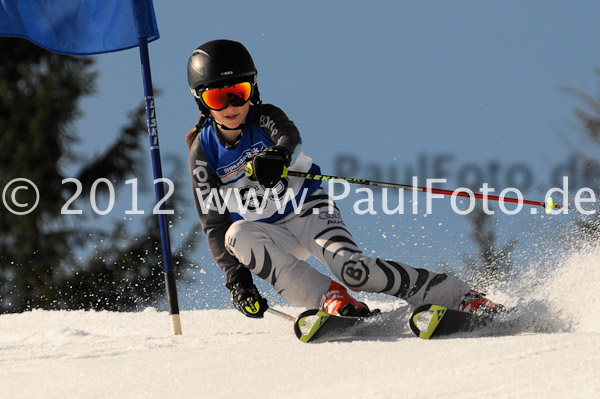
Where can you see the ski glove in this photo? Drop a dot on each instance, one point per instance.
(269, 167)
(247, 300)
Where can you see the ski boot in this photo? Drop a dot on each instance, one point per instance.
(337, 301)
(475, 302)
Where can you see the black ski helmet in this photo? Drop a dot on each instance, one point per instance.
(219, 63)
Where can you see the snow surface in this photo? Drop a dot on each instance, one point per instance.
(77, 354)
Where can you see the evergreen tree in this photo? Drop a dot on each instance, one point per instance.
(589, 121)
(40, 265)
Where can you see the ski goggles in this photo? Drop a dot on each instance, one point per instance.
(219, 98)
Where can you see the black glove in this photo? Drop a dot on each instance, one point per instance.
(247, 299)
(268, 167)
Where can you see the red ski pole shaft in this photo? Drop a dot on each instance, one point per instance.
(548, 205)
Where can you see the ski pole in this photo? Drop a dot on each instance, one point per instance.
(548, 205)
(281, 314)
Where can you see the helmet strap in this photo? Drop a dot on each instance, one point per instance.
(224, 142)
(221, 126)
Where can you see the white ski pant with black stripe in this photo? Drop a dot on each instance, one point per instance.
(277, 253)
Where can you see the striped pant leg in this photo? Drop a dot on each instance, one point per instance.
(326, 236)
(272, 253)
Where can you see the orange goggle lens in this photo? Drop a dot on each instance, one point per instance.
(236, 95)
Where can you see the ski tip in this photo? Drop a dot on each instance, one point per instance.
(425, 320)
(308, 323)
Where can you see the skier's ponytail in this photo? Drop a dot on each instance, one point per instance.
(191, 136)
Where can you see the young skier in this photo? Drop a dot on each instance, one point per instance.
(239, 152)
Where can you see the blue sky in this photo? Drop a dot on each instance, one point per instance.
(391, 85)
